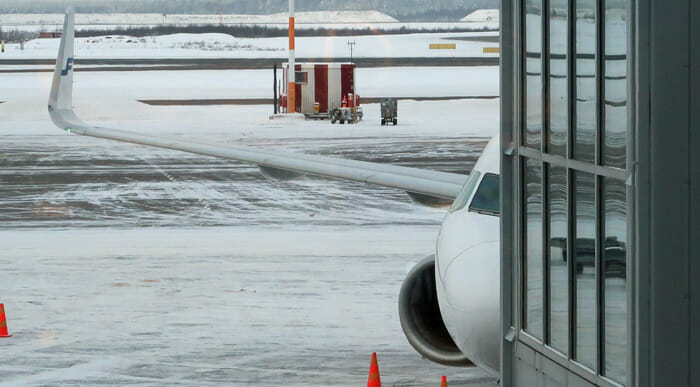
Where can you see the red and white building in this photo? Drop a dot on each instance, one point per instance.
(323, 83)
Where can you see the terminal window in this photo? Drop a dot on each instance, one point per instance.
(573, 200)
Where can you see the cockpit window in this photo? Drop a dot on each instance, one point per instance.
(466, 192)
(487, 199)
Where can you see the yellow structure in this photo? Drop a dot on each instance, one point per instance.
(492, 50)
(443, 46)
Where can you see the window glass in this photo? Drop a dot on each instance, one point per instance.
(615, 89)
(466, 192)
(558, 274)
(301, 77)
(614, 258)
(533, 74)
(585, 269)
(487, 197)
(585, 107)
(532, 197)
(558, 77)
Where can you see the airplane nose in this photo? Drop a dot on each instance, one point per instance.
(471, 281)
(469, 301)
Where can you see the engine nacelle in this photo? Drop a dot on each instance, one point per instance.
(421, 319)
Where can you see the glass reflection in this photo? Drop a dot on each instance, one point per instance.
(558, 274)
(533, 74)
(615, 43)
(533, 247)
(487, 199)
(585, 121)
(584, 264)
(614, 257)
(558, 77)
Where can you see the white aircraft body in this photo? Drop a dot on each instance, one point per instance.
(449, 302)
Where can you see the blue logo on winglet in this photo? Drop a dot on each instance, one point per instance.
(69, 66)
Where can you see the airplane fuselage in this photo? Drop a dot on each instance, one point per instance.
(467, 268)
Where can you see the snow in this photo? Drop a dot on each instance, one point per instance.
(483, 15)
(213, 305)
(155, 18)
(226, 46)
(131, 265)
(113, 95)
(357, 20)
(203, 42)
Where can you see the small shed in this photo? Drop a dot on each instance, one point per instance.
(322, 83)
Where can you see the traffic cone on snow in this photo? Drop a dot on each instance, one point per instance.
(443, 382)
(3, 323)
(374, 380)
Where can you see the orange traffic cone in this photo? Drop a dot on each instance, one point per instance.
(374, 380)
(443, 382)
(3, 323)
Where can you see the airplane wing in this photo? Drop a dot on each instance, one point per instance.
(276, 164)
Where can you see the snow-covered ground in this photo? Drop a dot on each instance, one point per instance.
(484, 15)
(223, 84)
(214, 306)
(126, 264)
(226, 46)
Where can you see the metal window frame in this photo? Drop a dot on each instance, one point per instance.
(511, 94)
(513, 160)
(545, 82)
(544, 196)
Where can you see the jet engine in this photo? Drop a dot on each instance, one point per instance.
(421, 319)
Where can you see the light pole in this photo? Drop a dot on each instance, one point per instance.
(351, 44)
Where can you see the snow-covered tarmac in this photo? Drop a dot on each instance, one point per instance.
(218, 45)
(211, 306)
(129, 265)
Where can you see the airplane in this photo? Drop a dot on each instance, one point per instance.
(449, 301)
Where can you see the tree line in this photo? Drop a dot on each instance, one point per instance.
(258, 31)
(404, 10)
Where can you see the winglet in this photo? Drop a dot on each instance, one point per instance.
(61, 97)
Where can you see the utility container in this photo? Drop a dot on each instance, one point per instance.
(324, 84)
(389, 111)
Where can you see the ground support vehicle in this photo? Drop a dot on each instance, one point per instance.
(389, 111)
(346, 114)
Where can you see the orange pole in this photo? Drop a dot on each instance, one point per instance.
(292, 32)
(291, 86)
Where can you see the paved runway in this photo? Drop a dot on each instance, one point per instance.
(124, 264)
(130, 265)
(181, 64)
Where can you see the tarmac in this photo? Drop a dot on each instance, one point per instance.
(130, 265)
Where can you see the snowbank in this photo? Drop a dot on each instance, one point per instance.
(483, 15)
(205, 42)
(226, 46)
